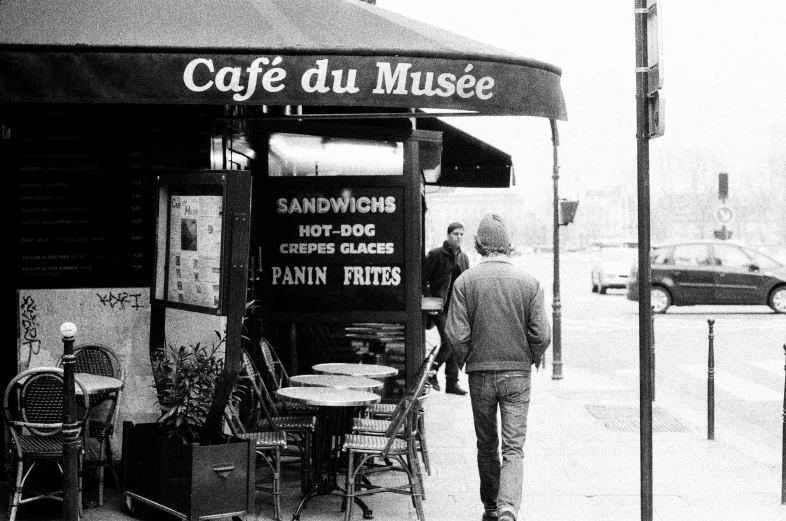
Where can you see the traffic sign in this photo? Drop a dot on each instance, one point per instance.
(724, 214)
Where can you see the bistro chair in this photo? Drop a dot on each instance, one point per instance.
(269, 445)
(102, 361)
(33, 406)
(397, 443)
(299, 429)
(376, 415)
(278, 377)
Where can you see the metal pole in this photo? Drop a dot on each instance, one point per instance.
(783, 442)
(711, 384)
(645, 306)
(652, 355)
(70, 428)
(556, 369)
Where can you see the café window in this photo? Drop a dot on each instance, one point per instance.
(293, 155)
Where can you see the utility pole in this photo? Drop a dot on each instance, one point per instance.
(649, 124)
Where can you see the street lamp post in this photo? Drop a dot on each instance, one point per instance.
(556, 370)
(70, 428)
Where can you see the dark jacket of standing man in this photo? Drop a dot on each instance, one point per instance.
(441, 267)
(498, 319)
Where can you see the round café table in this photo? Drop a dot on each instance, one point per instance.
(95, 383)
(334, 408)
(361, 370)
(336, 381)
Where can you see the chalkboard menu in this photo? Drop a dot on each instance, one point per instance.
(85, 177)
(334, 249)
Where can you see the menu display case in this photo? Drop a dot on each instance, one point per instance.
(193, 238)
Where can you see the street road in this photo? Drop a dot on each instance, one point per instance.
(600, 353)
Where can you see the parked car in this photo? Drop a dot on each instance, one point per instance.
(712, 272)
(613, 264)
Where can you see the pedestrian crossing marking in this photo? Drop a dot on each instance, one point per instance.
(733, 384)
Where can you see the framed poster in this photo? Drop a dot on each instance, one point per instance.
(191, 232)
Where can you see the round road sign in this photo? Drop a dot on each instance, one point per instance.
(724, 214)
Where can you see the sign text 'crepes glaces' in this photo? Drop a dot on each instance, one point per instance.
(389, 78)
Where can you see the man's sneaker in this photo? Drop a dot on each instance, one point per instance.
(455, 389)
(432, 381)
(507, 515)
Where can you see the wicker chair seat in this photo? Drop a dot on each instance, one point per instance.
(42, 446)
(373, 444)
(298, 408)
(266, 438)
(380, 409)
(385, 410)
(370, 425)
(290, 423)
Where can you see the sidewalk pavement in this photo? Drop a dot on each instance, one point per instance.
(581, 463)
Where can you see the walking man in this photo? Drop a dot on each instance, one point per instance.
(497, 324)
(442, 266)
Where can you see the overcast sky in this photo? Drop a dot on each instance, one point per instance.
(724, 70)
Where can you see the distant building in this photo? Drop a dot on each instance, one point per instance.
(468, 206)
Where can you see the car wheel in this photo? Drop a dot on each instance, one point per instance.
(777, 300)
(594, 287)
(660, 299)
(602, 290)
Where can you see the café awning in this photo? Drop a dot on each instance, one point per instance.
(468, 161)
(341, 53)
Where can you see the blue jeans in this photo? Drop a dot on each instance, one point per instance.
(500, 484)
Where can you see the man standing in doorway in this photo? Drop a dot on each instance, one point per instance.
(442, 266)
(497, 324)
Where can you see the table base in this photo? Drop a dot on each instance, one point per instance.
(332, 423)
(326, 489)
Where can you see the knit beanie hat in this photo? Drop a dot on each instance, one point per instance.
(492, 235)
(453, 226)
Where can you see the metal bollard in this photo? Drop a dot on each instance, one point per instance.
(70, 431)
(711, 385)
(783, 442)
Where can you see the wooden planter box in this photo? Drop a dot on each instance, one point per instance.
(190, 481)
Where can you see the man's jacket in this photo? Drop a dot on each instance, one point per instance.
(497, 314)
(438, 271)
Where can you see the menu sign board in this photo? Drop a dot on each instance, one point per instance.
(334, 249)
(84, 198)
(194, 274)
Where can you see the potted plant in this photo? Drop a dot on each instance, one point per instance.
(164, 464)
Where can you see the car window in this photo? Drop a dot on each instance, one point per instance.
(690, 255)
(762, 261)
(730, 256)
(662, 256)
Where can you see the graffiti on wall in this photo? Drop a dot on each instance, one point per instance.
(120, 300)
(30, 325)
